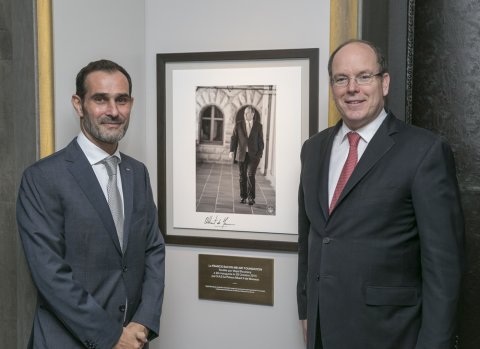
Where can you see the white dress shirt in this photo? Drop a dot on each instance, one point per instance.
(248, 126)
(341, 147)
(95, 156)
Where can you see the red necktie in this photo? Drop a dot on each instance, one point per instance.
(348, 167)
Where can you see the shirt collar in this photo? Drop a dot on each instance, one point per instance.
(93, 153)
(366, 132)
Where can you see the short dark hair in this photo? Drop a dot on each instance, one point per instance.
(382, 62)
(100, 65)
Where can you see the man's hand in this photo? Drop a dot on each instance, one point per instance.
(138, 328)
(230, 155)
(134, 336)
(304, 327)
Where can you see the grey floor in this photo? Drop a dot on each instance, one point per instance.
(218, 191)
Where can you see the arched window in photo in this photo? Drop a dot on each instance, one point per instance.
(211, 125)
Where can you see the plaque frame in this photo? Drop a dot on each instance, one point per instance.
(308, 62)
(227, 278)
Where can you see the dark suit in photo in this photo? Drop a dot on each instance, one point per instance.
(248, 151)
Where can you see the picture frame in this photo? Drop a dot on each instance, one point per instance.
(225, 83)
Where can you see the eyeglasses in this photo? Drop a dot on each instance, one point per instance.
(362, 79)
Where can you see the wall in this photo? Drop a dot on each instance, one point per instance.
(88, 30)
(132, 32)
(195, 26)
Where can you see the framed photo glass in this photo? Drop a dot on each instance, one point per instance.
(230, 130)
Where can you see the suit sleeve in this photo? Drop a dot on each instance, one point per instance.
(261, 144)
(40, 223)
(303, 230)
(234, 139)
(150, 308)
(436, 201)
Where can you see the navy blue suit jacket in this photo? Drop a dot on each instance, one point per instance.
(72, 249)
(383, 270)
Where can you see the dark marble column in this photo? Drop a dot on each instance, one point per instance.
(7, 188)
(446, 99)
(25, 141)
(18, 148)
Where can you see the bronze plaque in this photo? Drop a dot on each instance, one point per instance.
(235, 279)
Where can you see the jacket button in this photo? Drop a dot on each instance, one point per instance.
(122, 308)
(317, 277)
(326, 240)
(124, 269)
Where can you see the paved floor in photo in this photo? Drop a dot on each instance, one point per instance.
(218, 191)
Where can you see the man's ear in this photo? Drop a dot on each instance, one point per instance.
(385, 84)
(77, 105)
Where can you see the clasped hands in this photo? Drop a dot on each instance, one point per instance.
(134, 336)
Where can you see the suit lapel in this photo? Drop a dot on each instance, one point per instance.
(380, 144)
(252, 130)
(244, 128)
(127, 187)
(83, 173)
(324, 166)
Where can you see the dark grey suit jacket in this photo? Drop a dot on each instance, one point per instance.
(240, 141)
(74, 255)
(384, 269)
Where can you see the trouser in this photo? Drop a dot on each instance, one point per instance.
(318, 333)
(248, 168)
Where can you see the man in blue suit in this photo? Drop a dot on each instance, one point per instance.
(380, 221)
(91, 238)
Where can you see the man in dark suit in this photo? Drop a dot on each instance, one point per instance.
(247, 142)
(380, 221)
(91, 238)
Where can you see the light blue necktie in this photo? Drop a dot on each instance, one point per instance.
(114, 197)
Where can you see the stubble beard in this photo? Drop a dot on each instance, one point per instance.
(105, 136)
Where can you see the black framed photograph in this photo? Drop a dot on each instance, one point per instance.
(230, 130)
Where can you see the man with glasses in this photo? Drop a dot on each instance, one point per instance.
(380, 221)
